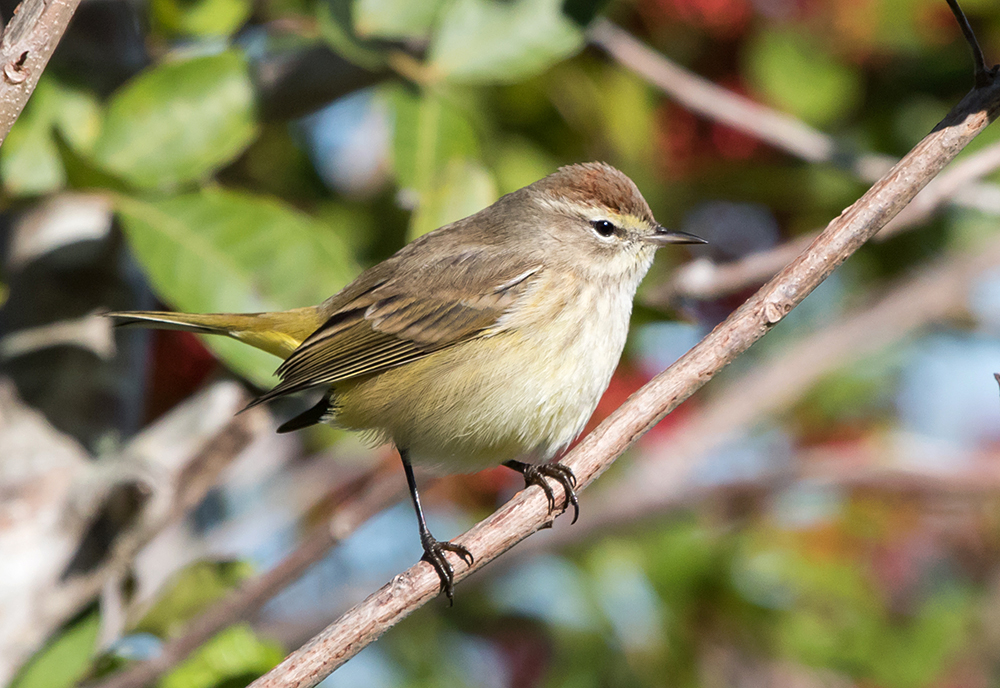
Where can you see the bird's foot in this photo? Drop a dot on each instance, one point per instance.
(537, 474)
(434, 555)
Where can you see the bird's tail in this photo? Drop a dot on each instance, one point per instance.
(278, 333)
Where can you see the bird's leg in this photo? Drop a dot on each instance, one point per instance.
(537, 474)
(434, 549)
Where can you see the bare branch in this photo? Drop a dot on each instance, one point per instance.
(704, 279)
(656, 485)
(27, 44)
(527, 512)
(722, 105)
(944, 189)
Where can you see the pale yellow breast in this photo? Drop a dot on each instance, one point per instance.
(527, 388)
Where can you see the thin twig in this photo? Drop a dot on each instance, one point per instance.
(705, 279)
(527, 512)
(981, 72)
(27, 44)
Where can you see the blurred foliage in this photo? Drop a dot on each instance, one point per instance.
(227, 208)
(199, 18)
(229, 251)
(178, 122)
(189, 592)
(235, 657)
(29, 160)
(798, 78)
(66, 657)
(483, 41)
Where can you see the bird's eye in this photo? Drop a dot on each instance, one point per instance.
(603, 227)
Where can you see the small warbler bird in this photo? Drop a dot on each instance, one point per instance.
(484, 342)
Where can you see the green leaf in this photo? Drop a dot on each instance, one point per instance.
(224, 251)
(29, 159)
(582, 12)
(65, 660)
(466, 187)
(76, 115)
(179, 122)
(920, 653)
(628, 113)
(436, 154)
(395, 18)
(520, 162)
(497, 41)
(430, 132)
(235, 652)
(189, 592)
(201, 17)
(794, 73)
(82, 173)
(333, 17)
(30, 162)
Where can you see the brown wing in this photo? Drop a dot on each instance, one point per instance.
(392, 319)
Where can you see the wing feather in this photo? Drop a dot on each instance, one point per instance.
(389, 321)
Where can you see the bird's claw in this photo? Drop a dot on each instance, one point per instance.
(434, 555)
(536, 475)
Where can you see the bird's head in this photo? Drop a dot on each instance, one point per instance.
(598, 217)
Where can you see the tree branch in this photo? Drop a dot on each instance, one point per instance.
(652, 487)
(527, 512)
(704, 279)
(28, 42)
(717, 103)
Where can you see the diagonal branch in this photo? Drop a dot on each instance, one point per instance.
(28, 42)
(527, 512)
(651, 487)
(704, 279)
(710, 100)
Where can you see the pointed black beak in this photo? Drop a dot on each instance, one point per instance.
(664, 236)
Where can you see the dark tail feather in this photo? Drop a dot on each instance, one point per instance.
(162, 320)
(311, 417)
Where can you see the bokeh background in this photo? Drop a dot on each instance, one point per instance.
(824, 513)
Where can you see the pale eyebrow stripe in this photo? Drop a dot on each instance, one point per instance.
(561, 206)
(590, 212)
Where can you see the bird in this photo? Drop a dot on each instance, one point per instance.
(488, 341)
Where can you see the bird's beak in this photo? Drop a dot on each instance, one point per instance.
(664, 236)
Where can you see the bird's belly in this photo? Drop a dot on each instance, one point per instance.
(525, 391)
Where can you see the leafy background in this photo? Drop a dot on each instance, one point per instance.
(257, 155)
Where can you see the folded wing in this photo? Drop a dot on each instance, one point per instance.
(388, 320)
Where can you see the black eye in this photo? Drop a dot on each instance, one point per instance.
(603, 227)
